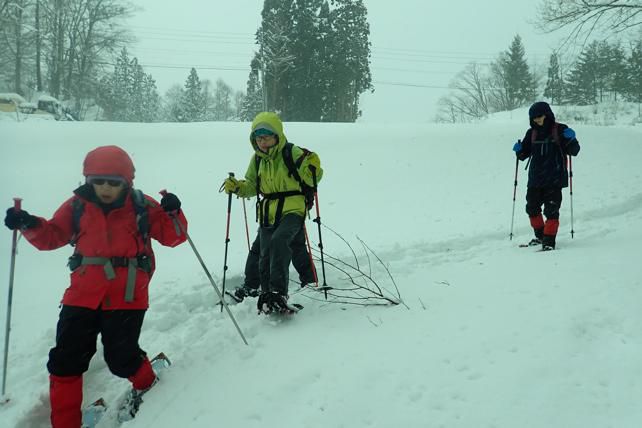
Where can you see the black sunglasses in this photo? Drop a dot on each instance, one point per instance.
(101, 181)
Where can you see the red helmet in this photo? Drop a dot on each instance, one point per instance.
(109, 161)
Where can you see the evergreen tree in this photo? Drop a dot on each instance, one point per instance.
(275, 56)
(517, 85)
(616, 79)
(554, 89)
(351, 58)
(253, 101)
(315, 57)
(222, 107)
(304, 79)
(633, 91)
(128, 94)
(193, 106)
(584, 77)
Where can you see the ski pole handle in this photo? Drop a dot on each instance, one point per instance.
(17, 204)
(177, 226)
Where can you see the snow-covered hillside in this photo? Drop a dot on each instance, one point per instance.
(492, 335)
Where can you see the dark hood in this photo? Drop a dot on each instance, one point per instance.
(538, 109)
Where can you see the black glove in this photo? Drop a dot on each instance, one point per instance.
(170, 203)
(20, 219)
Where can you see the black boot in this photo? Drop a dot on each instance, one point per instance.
(537, 240)
(243, 292)
(273, 302)
(548, 242)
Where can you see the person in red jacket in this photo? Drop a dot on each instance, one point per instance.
(111, 225)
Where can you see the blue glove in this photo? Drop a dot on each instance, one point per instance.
(568, 133)
(517, 147)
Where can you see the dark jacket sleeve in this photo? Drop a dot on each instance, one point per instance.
(571, 146)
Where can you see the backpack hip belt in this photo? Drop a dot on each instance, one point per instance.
(141, 262)
(280, 196)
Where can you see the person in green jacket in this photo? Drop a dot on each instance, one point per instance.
(281, 205)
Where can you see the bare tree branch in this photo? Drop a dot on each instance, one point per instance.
(586, 17)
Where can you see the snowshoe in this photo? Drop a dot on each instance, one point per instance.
(93, 413)
(276, 303)
(134, 397)
(242, 292)
(532, 243)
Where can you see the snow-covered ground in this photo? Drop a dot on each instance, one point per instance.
(492, 335)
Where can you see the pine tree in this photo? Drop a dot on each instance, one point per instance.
(633, 91)
(128, 94)
(584, 77)
(554, 89)
(616, 76)
(350, 59)
(275, 56)
(193, 104)
(304, 81)
(253, 101)
(315, 56)
(518, 86)
(222, 107)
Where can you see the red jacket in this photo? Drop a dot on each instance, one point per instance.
(114, 234)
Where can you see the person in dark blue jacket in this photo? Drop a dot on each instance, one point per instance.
(547, 144)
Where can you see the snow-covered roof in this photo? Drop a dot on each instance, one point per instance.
(47, 98)
(12, 96)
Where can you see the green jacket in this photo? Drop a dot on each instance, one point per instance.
(273, 172)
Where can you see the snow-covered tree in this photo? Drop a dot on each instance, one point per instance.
(128, 94)
(514, 85)
(193, 105)
(554, 89)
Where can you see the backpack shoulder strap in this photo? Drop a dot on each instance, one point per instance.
(293, 170)
(293, 167)
(555, 133)
(257, 162)
(77, 209)
(142, 215)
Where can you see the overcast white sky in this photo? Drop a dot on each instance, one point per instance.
(417, 45)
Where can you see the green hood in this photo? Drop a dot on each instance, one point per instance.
(271, 121)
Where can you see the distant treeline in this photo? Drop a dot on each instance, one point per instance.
(604, 71)
(312, 63)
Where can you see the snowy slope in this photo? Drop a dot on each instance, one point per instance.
(493, 336)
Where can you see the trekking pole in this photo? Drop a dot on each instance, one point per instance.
(317, 220)
(247, 230)
(512, 221)
(227, 237)
(180, 227)
(570, 168)
(14, 250)
(314, 269)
